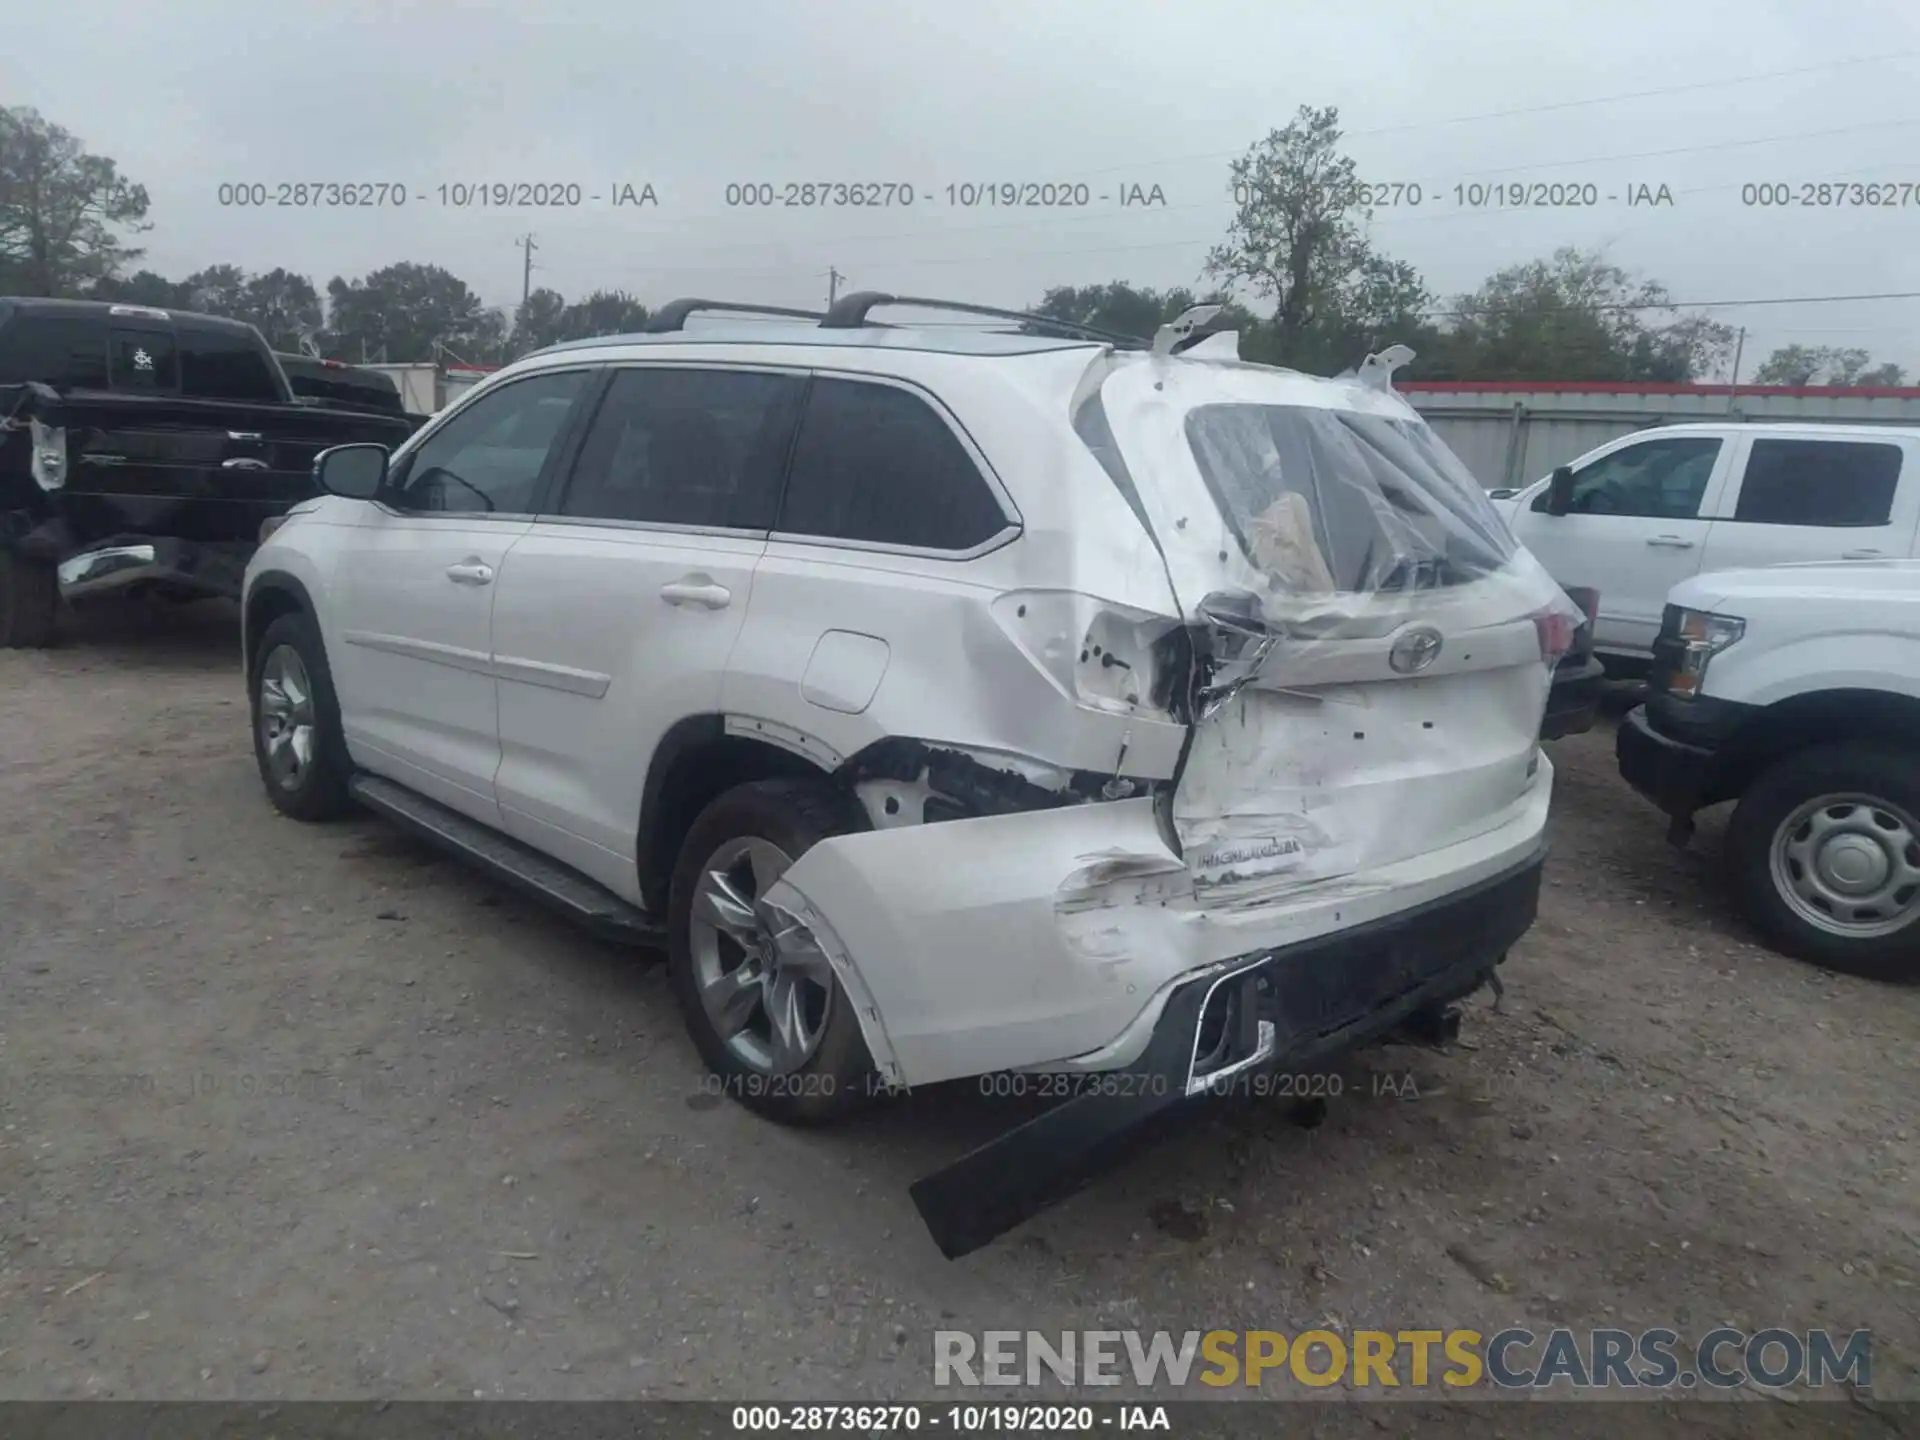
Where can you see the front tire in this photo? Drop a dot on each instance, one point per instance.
(1825, 850)
(29, 600)
(296, 723)
(770, 1020)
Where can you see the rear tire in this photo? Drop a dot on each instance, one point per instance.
(29, 600)
(296, 722)
(1825, 854)
(772, 1024)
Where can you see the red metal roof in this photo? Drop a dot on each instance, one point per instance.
(1633, 387)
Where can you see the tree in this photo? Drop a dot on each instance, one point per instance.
(1127, 309)
(59, 209)
(1825, 365)
(538, 320)
(143, 287)
(217, 290)
(1573, 316)
(285, 308)
(1296, 239)
(604, 312)
(410, 312)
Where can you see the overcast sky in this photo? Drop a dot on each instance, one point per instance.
(691, 97)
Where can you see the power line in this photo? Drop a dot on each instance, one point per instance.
(1553, 106)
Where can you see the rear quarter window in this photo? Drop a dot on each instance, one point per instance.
(877, 465)
(224, 365)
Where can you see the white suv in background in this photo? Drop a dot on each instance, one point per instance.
(1642, 513)
(950, 701)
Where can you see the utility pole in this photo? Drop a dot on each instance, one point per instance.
(1733, 385)
(834, 277)
(526, 273)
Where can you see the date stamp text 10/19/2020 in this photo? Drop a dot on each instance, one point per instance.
(641, 194)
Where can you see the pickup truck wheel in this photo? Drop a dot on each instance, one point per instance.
(769, 1019)
(1825, 848)
(29, 598)
(296, 723)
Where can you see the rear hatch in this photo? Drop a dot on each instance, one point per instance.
(1373, 649)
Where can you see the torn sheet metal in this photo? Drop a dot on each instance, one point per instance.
(1022, 940)
(1375, 647)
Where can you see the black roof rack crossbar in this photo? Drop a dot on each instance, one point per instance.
(673, 315)
(849, 312)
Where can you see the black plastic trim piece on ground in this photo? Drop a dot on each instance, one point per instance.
(1330, 995)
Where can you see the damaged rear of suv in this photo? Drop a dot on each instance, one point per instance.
(1230, 762)
(1023, 700)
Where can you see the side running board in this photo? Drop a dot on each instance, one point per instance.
(507, 860)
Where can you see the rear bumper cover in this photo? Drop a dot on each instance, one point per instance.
(1278, 1009)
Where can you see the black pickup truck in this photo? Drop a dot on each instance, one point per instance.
(145, 447)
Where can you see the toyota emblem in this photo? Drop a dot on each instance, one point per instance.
(1414, 650)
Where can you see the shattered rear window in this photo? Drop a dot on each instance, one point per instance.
(1330, 501)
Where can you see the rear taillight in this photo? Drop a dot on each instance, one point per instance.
(1555, 629)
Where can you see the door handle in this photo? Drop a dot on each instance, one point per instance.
(697, 592)
(471, 572)
(1860, 554)
(244, 462)
(1670, 542)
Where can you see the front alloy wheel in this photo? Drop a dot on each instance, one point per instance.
(286, 718)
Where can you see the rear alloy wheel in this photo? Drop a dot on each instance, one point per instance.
(29, 600)
(1826, 853)
(763, 1005)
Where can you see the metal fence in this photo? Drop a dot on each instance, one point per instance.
(1510, 434)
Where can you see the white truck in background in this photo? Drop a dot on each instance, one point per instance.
(1642, 513)
(1795, 690)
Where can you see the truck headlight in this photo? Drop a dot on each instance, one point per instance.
(1688, 640)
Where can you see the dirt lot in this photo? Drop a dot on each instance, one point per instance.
(308, 1112)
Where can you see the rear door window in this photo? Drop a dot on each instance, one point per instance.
(700, 448)
(1839, 483)
(877, 465)
(225, 365)
(64, 351)
(144, 360)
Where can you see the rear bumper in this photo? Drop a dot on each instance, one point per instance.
(1574, 701)
(1279, 1009)
(212, 570)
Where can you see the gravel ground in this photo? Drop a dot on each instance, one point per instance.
(309, 1112)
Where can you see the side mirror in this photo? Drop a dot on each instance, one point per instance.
(1560, 490)
(353, 472)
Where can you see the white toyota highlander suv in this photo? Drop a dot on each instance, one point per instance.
(949, 701)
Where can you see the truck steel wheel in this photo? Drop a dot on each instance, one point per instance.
(769, 1018)
(29, 598)
(296, 723)
(1826, 850)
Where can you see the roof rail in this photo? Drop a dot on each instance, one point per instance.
(849, 312)
(673, 315)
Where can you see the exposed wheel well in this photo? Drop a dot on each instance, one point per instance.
(1820, 718)
(695, 763)
(268, 602)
